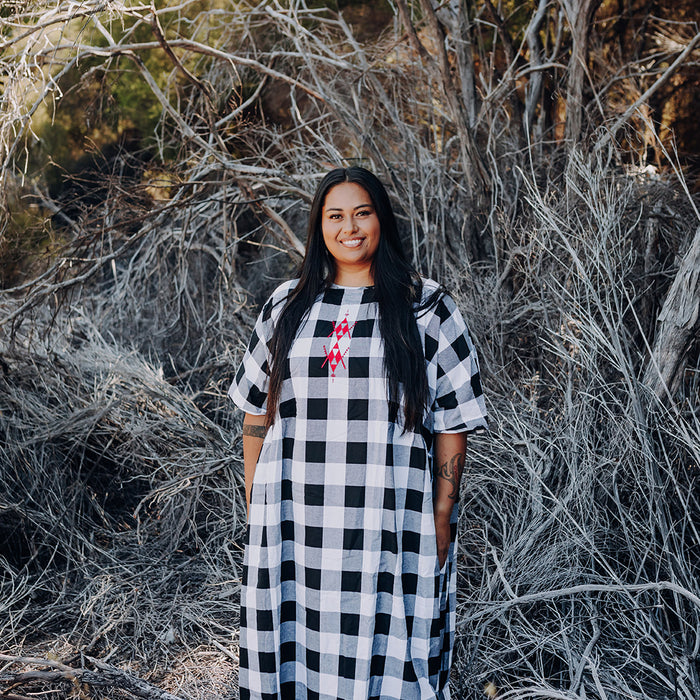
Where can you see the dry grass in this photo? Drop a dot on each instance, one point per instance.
(121, 494)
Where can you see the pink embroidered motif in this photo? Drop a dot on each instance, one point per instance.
(335, 356)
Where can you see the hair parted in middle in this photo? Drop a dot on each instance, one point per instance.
(397, 290)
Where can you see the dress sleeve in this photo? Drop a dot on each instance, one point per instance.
(249, 388)
(459, 401)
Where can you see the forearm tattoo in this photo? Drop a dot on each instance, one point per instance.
(258, 431)
(450, 471)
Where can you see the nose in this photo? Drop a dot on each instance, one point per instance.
(350, 225)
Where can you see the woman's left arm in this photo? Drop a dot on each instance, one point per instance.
(450, 452)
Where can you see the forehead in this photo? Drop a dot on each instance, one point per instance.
(346, 195)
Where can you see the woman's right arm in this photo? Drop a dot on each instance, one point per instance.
(254, 431)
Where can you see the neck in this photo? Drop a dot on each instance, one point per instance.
(354, 278)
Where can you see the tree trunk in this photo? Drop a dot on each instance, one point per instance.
(677, 325)
(580, 15)
(533, 92)
(465, 61)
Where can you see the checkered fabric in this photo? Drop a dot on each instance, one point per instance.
(342, 594)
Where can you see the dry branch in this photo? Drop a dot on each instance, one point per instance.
(644, 97)
(103, 676)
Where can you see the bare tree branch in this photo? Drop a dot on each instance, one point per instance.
(644, 98)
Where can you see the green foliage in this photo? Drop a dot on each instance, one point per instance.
(101, 106)
(30, 239)
(104, 104)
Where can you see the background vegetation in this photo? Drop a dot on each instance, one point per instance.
(156, 165)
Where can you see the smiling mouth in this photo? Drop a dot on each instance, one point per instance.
(352, 242)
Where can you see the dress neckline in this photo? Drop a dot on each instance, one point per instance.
(343, 286)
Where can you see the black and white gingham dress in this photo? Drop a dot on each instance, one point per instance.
(342, 593)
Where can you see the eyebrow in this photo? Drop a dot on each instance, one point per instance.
(359, 206)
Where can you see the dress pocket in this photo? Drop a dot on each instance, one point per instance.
(257, 489)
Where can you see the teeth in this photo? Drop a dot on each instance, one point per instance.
(352, 243)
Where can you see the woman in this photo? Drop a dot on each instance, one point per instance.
(359, 386)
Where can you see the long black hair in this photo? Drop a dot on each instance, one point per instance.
(397, 289)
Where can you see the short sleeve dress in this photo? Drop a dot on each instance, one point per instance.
(342, 595)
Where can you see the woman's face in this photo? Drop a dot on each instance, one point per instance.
(351, 231)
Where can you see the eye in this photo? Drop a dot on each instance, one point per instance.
(364, 212)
